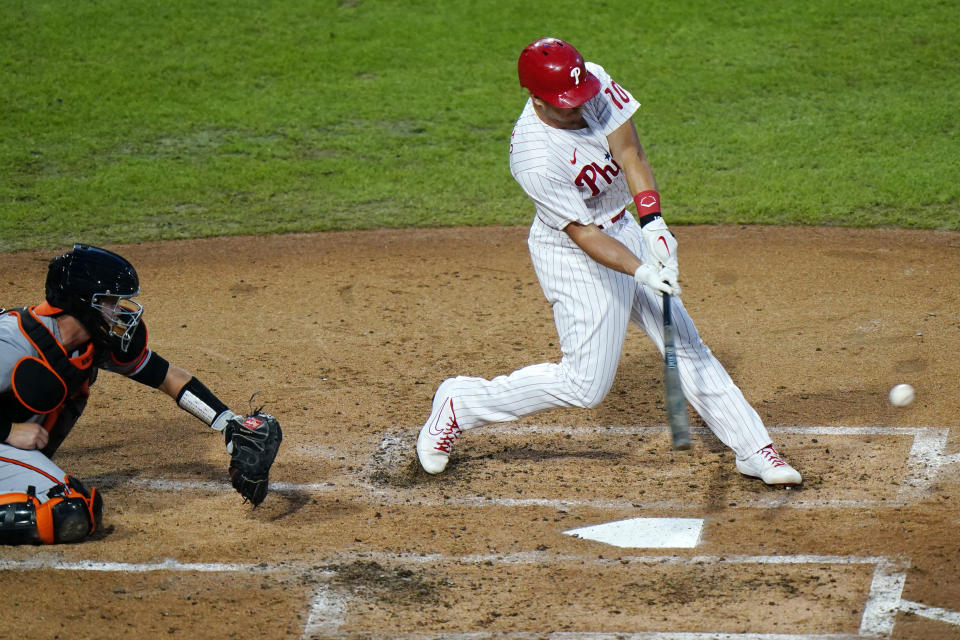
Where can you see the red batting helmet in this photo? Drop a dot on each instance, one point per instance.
(553, 70)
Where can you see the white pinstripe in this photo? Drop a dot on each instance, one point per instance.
(593, 305)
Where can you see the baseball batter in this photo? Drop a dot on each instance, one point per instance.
(576, 153)
(50, 355)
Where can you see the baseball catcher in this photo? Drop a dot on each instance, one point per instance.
(50, 355)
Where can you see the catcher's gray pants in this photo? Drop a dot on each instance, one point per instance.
(15, 478)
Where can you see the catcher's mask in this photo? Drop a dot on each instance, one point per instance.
(97, 287)
(554, 71)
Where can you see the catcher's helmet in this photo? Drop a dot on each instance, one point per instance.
(553, 70)
(96, 286)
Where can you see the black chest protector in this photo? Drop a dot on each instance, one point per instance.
(42, 385)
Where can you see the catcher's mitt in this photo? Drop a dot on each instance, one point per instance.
(253, 442)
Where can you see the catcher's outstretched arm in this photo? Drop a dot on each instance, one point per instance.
(195, 398)
(174, 381)
(190, 394)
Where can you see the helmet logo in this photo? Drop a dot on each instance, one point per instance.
(575, 74)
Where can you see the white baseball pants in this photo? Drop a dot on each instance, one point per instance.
(592, 306)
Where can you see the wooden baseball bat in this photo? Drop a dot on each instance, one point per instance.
(676, 403)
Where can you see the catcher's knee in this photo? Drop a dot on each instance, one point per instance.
(70, 514)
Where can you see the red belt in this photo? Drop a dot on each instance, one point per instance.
(613, 220)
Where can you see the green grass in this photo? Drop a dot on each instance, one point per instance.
(124, 121)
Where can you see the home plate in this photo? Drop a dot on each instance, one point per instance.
(647, 533)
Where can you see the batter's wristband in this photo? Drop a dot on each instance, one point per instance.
(648, 203)
(5, 427)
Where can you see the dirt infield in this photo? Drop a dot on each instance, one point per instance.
(346, 335)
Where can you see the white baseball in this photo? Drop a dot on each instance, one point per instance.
(901, 395)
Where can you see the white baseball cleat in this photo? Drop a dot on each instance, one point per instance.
(767, 465)
(439, 433)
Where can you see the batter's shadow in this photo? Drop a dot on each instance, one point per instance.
(464, 462)
(527, 453)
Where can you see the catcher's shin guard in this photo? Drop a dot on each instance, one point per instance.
(69, 515)
(18, 518)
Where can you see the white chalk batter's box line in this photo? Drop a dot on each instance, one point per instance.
(927, 457)
(328, 609)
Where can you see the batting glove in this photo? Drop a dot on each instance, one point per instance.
(660, 243)
(649, 275)
(669, 275)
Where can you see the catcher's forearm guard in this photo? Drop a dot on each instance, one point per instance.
(196, 399)
(253, 442)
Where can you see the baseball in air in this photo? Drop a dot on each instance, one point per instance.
(901, 395)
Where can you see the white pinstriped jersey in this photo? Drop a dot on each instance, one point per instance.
(569, 173)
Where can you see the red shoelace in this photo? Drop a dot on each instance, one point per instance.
(450, 433)
(449, 436)
(772, 456)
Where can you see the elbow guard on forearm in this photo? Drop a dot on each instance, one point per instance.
(153, 372)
